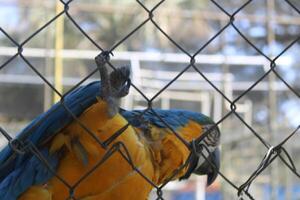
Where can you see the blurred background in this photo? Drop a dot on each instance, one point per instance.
(62, 54)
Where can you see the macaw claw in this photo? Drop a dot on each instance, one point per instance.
(102, 58)
(120, 81)
(113, 86)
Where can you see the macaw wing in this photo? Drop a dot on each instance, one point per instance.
(175, 118)
(19, 171)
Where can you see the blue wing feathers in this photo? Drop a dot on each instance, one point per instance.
(175, 118)
(15, 169)
(28, 173)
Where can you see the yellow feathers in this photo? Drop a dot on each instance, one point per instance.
(38, 193)
(59, 141)
(191, 130)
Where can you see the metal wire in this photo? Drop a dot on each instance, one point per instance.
(22, 145)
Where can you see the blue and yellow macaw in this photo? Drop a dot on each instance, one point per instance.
(102, 154)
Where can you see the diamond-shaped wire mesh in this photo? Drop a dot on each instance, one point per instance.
(272, 151)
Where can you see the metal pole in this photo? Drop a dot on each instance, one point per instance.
(200, 187)
(272, 101)
(59, 43)
(48, 64)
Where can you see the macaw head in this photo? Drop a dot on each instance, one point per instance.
(204, 158)
(174, 140)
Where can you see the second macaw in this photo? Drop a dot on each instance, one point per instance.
(85, 159)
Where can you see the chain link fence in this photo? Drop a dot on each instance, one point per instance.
(272, 151)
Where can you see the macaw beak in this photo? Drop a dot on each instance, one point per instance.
(207, 169)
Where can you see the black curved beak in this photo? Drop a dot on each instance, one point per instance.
(207, 169)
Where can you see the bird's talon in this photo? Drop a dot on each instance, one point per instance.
(102, 58)
(120, 81)
(124, 90)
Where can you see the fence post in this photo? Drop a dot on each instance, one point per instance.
(272, 101)
(59, 43)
